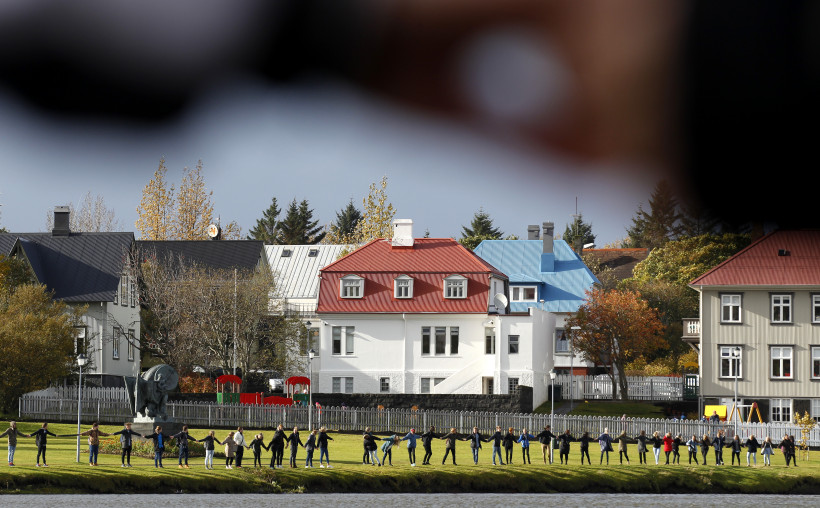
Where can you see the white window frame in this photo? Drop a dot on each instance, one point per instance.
(815, 362)
(513, 385)
(115, 343)
(336, 384)
(511, 342)
(346, 339)
(815, 308)
(455, 287)
(815, 409)
(80, 340)
(725, 353)
(403, 287)
(384, 385)
(780, 410)
(781, 356)
(517, 293)
(489, 340)
(781, 308)
(428, 383)
(561, 338)
(351, 287)
(124, 290)
(731, 301)
(131, 348)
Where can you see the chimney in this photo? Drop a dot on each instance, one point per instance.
(402, 233)
(532, 232)
(547, 254)
(61, 217)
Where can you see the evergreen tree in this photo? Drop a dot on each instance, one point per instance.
(578, 233)
(298, 226)
(661, 224)
(346, 221)
(480, 228)
(267, 228)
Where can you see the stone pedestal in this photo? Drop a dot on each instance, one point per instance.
(146, 425)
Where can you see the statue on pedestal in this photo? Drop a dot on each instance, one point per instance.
(149, 400)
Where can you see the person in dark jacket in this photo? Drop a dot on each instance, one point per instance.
(736, 447)
(545, 437)
(718, 444)
(450, 444)
(256, 446)
(509, 442)
(40, 438)
(497, 440)
(751, 445)
(584, 440)
(563, 446)
(605, 440)
(160, 440)
(705, 443)
(793, 450)
(182, 438)
(657, 441)
(642, 440)
(427, 442)
(676, 444)
(209, 441)
(370, 446)
(365, 444)
(475, 443)
(294, 443)
(310, 446)
(321, 441)
(787, 447)
(277, 445)
(126, 442)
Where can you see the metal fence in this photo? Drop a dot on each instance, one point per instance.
(207, 415)
(640, 387)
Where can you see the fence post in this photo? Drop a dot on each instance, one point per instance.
(651, 389)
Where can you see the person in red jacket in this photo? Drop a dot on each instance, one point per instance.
(667, 445)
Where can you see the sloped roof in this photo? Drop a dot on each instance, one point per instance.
(217, 254)
(428, 262)
(621, 261)
(80, 267)
(297, 273)
(760, 264)
(563, 290)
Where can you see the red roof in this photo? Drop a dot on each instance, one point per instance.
(781, 258)
(428, 262)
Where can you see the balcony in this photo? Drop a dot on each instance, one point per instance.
(300, 310)
(691, 332)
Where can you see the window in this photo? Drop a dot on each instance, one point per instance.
(115, 343)
(343, 340)
(80, 340)
(441, 339)
(403, 287)
(124, 290)
(524, 293)
(131, 347)
(453, 340)
(352, 286)
(730, 308)
(310, 341)
(730, 366)
(512, 385)
(815, 362)
(781, 362)
(428, 382)
(286, 253)
(434, 340)
(312, 253)
(489, 341)
(455, 286)
(561, 341)
(815, 308)
(339, 382)
(384, 385)
(815, 409)
(781, 308)
(513, 343)
(781, 410)
(425, 340)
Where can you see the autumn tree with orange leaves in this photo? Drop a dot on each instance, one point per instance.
(615, 328)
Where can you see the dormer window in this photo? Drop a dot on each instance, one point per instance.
(403, 286)
(312, 253)
(455, 286)
(351, 286)
(286, 253)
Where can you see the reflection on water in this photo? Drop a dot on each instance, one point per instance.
(414, 500)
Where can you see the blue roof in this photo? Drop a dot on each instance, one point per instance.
(563, 290)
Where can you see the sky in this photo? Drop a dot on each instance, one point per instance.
(324, 142)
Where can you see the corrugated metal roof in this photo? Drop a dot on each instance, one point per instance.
(217, 254)
(297, 274)
(563, 290)
(760, 264)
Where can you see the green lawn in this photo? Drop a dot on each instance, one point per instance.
(349, 475)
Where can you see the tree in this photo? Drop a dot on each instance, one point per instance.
(267, 228)
(661, 224)
(377, 215)
(480, 228)
(194, 210)
(578, 233)
(616, 327)
(93, 216)
(343, 229)
(156, 208)
(298, 226)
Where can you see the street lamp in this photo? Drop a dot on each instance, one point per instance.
(81, 360)
(736, 360)
(571, 371)
(552, 399)
(311, 354)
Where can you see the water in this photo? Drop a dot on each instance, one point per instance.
(414, 500)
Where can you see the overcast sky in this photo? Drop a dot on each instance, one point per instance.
(323, 143)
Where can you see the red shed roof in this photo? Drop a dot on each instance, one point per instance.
(428, 262)
(781, 258)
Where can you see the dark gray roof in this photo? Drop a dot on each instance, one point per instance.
(81, 267)
(218, 254)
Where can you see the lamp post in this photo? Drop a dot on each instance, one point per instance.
(311, 354)
(81, 360)
(736, 361)
(552, 409)
(571, 371)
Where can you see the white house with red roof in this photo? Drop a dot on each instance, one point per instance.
(425, 315)
(760, 326)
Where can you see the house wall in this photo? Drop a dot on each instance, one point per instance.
(755, 334)
(100, 319)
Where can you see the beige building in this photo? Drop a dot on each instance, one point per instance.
(759, 327)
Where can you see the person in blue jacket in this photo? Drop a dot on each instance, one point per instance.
(411, 437)
(718, 443)
(160, 440)
(387, 449)
(605, 440)
(475, 444)
(525, 439)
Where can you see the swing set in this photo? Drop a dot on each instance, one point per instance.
(754, 409)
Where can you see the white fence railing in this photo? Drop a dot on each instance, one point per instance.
(206, 415)
(640, 388)
(90, 392)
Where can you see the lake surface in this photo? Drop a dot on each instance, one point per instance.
(414, 500)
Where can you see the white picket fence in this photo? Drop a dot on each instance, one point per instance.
(640, 388)
(90, 392)
(207, 415)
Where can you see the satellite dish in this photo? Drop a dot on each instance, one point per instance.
(213, 230)
(500, 302)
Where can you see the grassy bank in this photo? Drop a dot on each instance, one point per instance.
(348, 475)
